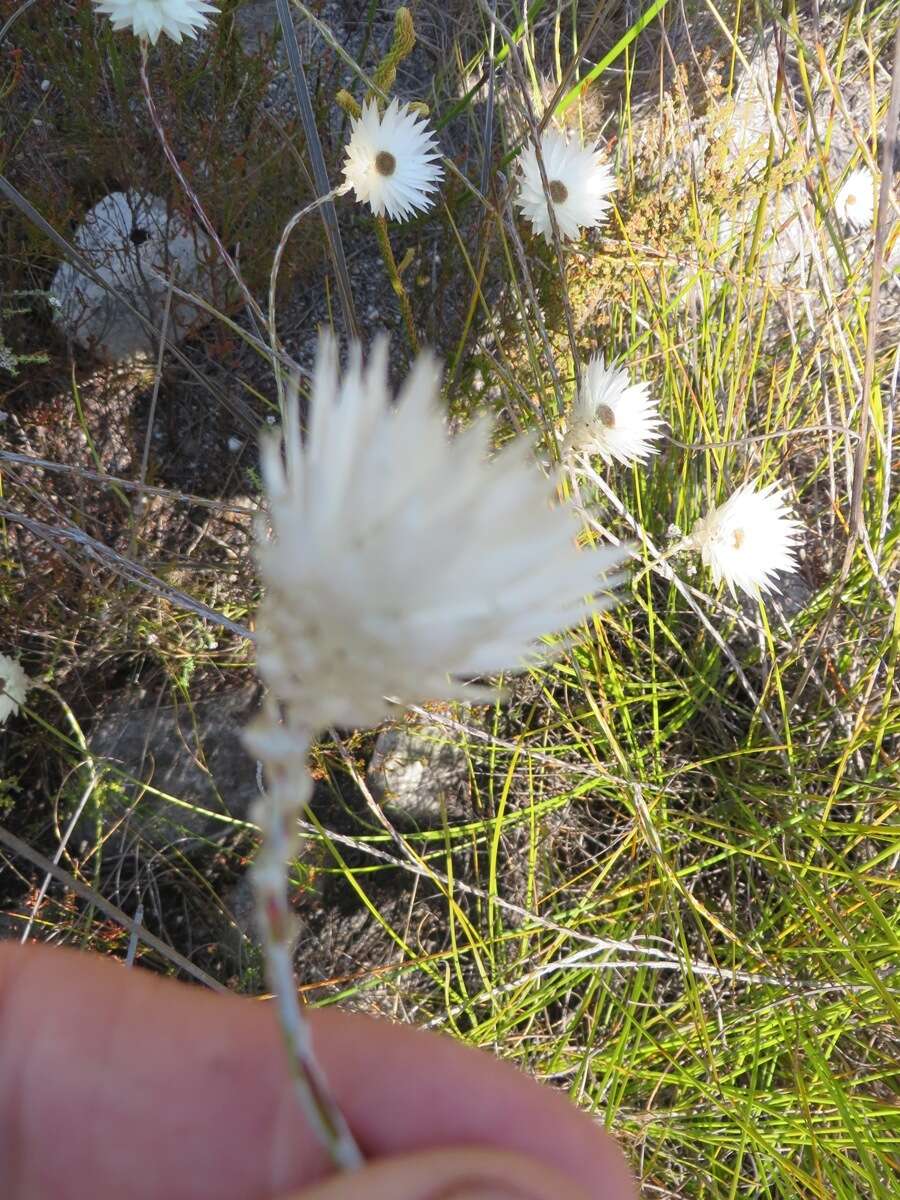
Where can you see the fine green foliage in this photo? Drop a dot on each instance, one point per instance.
(673, 892)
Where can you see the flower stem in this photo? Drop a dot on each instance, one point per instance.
(384, 243)
(319, 169)
(659, 562)
(289, 790)
(273, 282)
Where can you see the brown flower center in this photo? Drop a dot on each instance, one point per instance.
(559, 193)
(851, 199)
(737, 538)
(606, 416)
(385, 163)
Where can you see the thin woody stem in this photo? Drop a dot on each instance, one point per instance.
(208, 226)
(277, 812)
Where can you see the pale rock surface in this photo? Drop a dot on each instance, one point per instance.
(134, 244)
(418, 774)
(170, 770)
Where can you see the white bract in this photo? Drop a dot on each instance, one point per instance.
(748, 538)
(855, 202)
(150, 18)
(14, 685)
(391, 161)
(578, 183)
(614, 417)
(402, 563)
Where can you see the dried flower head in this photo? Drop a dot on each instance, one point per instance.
(14, 685)
(855, 202)
(391, 161)
(748, 538)
(614, 417)
(150, 18)
(401, 562)
(578, 183)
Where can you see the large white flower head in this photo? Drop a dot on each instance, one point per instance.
(391, 160)
(14, 685)
(855, 202)
(578, 180)
(150, 18)
(614, 417)
(402, 562)
(748, 538)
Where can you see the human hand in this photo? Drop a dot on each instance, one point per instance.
(119, 1083)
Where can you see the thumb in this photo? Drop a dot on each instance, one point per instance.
(466, 1174)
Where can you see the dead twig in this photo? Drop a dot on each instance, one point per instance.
(17, 846)
(125, 567)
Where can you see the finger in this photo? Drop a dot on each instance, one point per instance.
(459, 1174)
(116, 1082)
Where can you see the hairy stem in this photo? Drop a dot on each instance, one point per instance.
(277, 811)
(273, 283)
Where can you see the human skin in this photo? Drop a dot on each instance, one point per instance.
(116, 1082)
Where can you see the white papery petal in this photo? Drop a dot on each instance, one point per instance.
(406, 138)
(15, 687)
(150, 18)
(581, 171)
(855, 202)
(748, 538)
(402, 562)
(613, 417)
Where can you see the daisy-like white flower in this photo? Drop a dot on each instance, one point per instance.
(391, 160)
(748, 538)
(401, 562)
(14, 685)
(855, 202)
(614, 417)
(150, 18)
(578, 182)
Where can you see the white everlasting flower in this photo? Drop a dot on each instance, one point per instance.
(391, 161)
(578, 182)
(855, 202)
(748, 538)
(401, 562)
(14, 685)
(614, 417)
(150, 18)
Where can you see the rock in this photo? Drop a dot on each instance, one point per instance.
(192, 754)
(131, 240)
(255, 21)
(418, 774)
